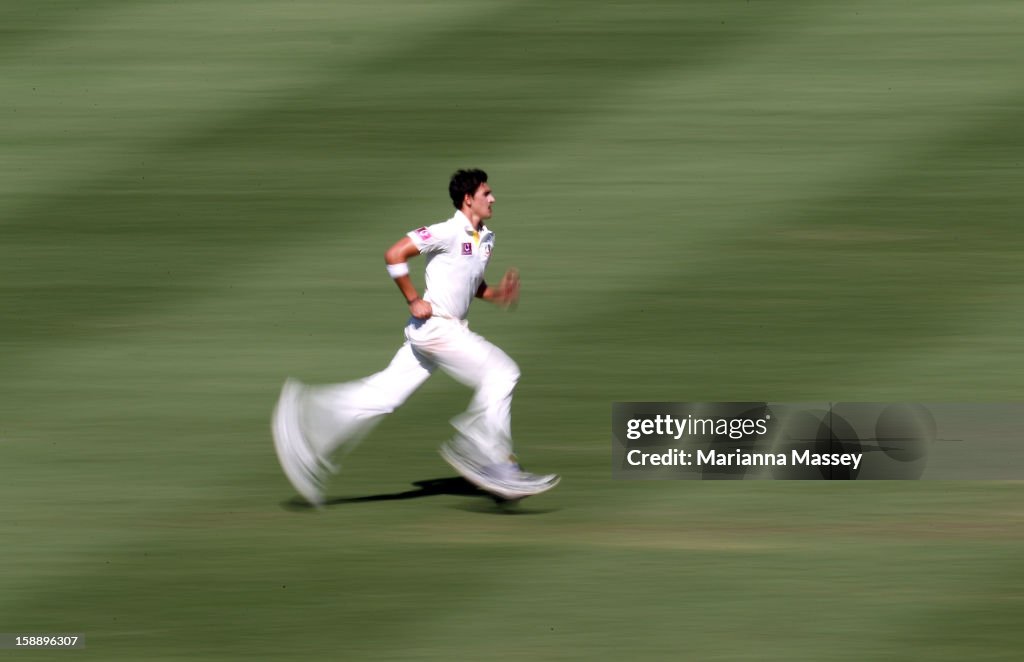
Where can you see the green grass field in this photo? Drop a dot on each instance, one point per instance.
(708, 201)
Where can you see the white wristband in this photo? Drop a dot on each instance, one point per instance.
(398, 270)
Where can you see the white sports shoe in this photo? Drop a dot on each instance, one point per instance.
(298, 460)
(507, 481)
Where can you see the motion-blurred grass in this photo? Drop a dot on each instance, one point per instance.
(707, 200)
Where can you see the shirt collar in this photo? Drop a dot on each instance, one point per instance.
(468, 225)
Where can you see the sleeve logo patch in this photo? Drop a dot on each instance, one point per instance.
(424, 234)
(467, 248)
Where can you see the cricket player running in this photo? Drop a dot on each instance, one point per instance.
(314, 424)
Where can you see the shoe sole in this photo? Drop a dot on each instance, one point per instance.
(485, 484)
(286, 438)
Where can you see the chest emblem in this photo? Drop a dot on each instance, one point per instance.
(467, 248)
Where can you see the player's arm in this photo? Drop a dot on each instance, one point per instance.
(395, 258)
(505, 294)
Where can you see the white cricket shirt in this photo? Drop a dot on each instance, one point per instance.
(457, 257)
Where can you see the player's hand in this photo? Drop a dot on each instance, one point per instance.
(508, 289)
(421, 309)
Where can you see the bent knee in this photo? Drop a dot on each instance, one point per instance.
(507, 372)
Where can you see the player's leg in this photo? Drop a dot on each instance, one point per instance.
(311, 423)
(336, 417)
(486, 425)
(482, 447)
(482, 366)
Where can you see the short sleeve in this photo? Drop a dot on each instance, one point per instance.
(431, 238)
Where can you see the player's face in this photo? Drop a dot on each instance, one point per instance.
(481, 202)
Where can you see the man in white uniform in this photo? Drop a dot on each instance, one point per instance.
(312, 424)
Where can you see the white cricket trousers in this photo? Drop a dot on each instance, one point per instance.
(337, 416)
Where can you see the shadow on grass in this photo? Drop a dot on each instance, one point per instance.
(455, 486)
(495, 507)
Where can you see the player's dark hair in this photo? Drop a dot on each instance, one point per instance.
(465, 182)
